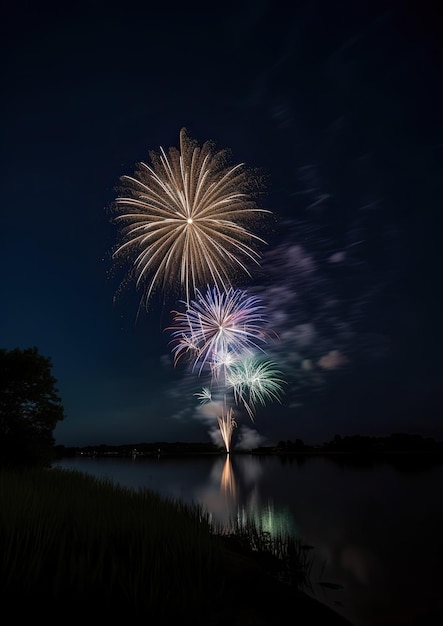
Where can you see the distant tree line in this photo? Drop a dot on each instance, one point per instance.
(139, 449)
(30, 409)
(395, 442)
(356, 444)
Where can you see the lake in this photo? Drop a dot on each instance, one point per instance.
(376, 528)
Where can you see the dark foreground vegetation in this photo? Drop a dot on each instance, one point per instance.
(73, 546)
(30, 408)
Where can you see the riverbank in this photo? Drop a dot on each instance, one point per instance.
(254, 597)
(91, 550)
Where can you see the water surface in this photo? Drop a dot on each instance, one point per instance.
(376, 529)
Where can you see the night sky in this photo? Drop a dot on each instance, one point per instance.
(338, 104)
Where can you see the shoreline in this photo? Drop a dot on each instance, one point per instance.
(257, 598)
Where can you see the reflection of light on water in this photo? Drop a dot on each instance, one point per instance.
(268, 520)
(227, 482)
(263, 517)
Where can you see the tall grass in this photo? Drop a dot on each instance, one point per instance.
(92, 547)
(68, 537)
(282, 555)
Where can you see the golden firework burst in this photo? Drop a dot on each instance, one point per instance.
(183, 220)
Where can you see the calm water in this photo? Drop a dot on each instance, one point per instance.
(377, 530)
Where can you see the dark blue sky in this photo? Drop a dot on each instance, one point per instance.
(338, 104)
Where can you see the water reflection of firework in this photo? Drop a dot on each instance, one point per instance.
(249, 511)
(227, 481)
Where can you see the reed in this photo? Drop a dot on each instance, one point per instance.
(67, 536)
(282, 555)
(70, 540)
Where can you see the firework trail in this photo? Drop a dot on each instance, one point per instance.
(227, 425)
(183, 220)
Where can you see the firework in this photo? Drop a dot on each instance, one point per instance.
(183, 220)
(225, 330)
(204, 395)
(227, 425)
(254, 381)
(218, 327)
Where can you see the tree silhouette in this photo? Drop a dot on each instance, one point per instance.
(29, 408)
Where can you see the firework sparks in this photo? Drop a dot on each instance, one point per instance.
(254, 381)
(227, 424)
(219, 326)
(183, 220)
(224, 330)
(204, 395)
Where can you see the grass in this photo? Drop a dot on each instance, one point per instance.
(283, 556)
(95, 548)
